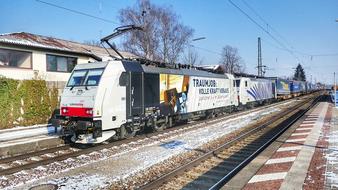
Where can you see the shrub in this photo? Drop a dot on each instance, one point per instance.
(25, 102)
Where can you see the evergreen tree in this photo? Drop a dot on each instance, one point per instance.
(299, 73)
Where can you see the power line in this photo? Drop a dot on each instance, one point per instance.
(317, 55)
(77, 12)
(268, 25)
(282, 37)
(207, 50)
(273, 45)
(299, 52)
(267, 32)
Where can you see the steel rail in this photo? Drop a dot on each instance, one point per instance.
(35, 153)
(89, 149)
(226, 178)
(159, 181)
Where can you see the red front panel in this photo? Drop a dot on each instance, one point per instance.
(76, 112)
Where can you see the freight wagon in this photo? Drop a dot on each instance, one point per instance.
(297, 88)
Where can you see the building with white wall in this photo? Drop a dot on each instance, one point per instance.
(25, 56)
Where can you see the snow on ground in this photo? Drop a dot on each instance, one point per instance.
(332, 156)
(122, 165)
(148, 156)
(82, 181)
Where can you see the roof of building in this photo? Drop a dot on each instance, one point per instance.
(51, 43)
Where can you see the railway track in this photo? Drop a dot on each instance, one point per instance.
(214, 168)
(27, 161)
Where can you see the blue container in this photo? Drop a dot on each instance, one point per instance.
(282, 86)
(295, 86)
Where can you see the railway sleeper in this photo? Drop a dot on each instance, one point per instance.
(216, 172)
(209, 176)
(200, 184)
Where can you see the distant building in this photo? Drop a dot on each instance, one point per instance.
(25, 55)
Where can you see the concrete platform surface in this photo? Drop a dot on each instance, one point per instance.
(306, 159)
(27, 139)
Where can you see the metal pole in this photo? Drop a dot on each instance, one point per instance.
(335, 94)
(259, 64)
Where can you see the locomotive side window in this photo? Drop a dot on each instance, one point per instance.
(238, 83)
(246, 83)
(77, 78)
(123, 81)
(151, 89)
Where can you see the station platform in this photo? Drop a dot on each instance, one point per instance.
(21, 140)
(305, 157)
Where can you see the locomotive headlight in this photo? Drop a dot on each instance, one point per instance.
(89, 111)
(64, 110)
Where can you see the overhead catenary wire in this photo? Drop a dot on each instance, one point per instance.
(207, 50)
(265, 30)
(77, 12)
(282, 37)
(269, 26)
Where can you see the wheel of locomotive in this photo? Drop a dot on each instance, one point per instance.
(67, 139)
(159, 127)
(210, 115)
(127, 132)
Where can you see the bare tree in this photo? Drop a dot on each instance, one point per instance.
(231, 60)
(191, 57)
(163, 37)
(92, 43)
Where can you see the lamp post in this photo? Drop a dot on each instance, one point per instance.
(197, 39)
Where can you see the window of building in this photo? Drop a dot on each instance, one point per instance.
(60, 63)
(15, 58)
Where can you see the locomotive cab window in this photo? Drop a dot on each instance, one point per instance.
(77, 78)
(85, 77)
(246, 83)
(93, 77)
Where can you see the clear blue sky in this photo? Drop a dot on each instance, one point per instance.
(308, 26)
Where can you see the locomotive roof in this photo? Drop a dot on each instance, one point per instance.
(91, 65)
(135, 66)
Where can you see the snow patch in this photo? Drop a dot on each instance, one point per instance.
(40, 168)
(332, 158)
(83, 182)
